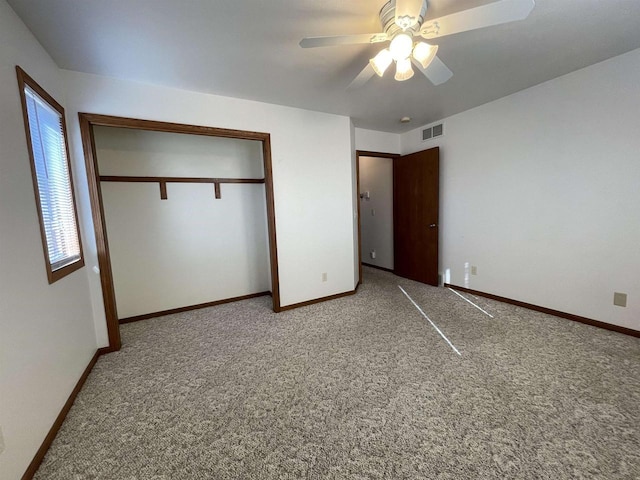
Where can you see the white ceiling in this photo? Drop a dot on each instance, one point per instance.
(249, 49)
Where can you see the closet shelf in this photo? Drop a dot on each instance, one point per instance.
(162, 181)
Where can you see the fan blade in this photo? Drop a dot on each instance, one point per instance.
(408, 12)
(311, 42)
(437, 72)
(363, 77)
(503, 11)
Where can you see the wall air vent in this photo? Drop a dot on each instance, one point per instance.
(433, 132)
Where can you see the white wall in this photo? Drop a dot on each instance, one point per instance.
(376, 177)
(312, 165)
(125, 151)
(47, 336)
(190, 248)
(540, 191)
(379, 142)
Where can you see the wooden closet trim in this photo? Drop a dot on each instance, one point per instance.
(90, 120)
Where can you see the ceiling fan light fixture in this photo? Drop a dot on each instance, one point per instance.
(425, 53)
(402, 20)
(381, 61)
(401, 46)
(403, 70)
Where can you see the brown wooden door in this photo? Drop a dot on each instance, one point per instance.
(415, 215)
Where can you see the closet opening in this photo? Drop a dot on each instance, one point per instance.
(183, 216)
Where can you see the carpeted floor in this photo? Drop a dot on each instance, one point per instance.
(361, 387)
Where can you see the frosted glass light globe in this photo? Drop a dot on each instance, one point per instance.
(381, 61)
(403, 70)
(401, 46)
(425, 53)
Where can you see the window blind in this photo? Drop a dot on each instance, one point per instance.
(54, 184)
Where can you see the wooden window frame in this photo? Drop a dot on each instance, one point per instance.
(25, 80)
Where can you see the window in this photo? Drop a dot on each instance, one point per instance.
(46, 138)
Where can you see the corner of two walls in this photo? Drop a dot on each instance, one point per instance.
(539, 191)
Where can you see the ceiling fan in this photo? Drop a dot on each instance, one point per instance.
(402, 20)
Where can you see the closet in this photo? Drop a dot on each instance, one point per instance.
(185, 219)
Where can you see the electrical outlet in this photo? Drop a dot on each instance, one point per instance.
(372, 253)
(373, 212)
(324, 277)
(474, 270)
(620, 299)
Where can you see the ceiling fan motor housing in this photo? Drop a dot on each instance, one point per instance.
(388, 19)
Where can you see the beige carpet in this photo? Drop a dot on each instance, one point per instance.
(362, 387)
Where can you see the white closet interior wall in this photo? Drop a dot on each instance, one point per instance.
(190, 248)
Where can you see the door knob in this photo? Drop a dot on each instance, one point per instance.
(433, 225)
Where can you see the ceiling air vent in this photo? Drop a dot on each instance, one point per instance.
(433, 132)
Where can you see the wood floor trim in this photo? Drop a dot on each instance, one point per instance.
(390, 270)
(161, 313)
(48, 440)
(320, 300)
(105, 350)
(557, 313)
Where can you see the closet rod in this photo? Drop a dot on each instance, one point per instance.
(162, 181)
(114, 178)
